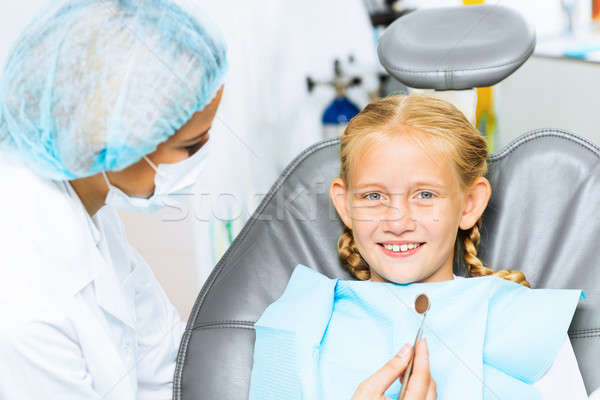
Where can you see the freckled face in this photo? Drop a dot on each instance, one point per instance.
(404, 206)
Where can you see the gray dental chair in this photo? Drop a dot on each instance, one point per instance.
(542, 217)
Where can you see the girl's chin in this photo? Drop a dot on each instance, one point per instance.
(394, 278)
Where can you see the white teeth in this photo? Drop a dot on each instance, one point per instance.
(401, 247)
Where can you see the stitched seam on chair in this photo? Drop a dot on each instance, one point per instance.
(181, 356)
(519, 60)
(187, 335)
(545, 132)
(573, 337)
(226, 324)
(588, 330)
(584, 333)
(444, 71)
(226, 327)
(179, 365)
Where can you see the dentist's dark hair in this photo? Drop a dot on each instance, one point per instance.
(440, 126)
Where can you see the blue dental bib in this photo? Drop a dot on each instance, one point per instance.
(488, 338)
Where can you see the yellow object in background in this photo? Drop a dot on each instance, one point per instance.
(485, 116)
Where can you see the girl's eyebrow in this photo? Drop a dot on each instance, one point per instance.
(428, 183)
(418, 183)
(369, 185)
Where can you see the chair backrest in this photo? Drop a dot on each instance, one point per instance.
(541, 219)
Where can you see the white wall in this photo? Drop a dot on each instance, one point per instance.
(549, 93)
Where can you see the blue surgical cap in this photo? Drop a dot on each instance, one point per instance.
(94, 85)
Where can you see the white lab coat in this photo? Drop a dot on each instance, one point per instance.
(81, 314)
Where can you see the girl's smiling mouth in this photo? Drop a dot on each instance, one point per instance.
(400, 248)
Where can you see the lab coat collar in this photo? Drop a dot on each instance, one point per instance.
(110, 295)
(109, 292)
(79, 271)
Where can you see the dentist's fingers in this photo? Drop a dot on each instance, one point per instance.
(375, 386)
(421, 384)
(432, 392)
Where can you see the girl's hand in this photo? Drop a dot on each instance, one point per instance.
(421, 385)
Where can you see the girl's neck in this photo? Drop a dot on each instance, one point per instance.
(440, 275)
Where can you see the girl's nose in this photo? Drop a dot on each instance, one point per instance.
(398, 217)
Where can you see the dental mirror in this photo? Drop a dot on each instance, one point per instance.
(421, 306)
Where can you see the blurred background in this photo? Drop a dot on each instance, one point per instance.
(299, 71)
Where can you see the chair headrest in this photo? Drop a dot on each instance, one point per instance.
(454, 48)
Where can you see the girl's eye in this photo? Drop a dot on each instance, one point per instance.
(425, 195)
(373, 196)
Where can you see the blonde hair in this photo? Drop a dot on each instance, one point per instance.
(448, 129)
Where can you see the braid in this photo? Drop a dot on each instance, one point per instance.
(476, 267)
(350, 256)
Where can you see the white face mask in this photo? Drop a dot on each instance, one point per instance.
(170, 179)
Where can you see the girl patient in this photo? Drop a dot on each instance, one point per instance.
(411, 193)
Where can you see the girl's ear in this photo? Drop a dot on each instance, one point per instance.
(337, 192)
(476, 201)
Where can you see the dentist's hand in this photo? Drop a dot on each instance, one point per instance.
(421, 385)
